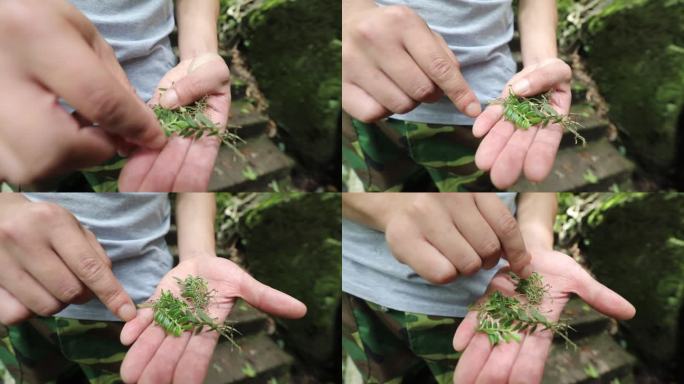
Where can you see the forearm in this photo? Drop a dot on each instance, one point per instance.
(197, 31)
(536, 215)
(195, 214)
(369, 209)
(537, 20)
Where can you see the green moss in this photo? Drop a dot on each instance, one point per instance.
(635, 52)
(637, 249)
(293, 241)
(294, 50)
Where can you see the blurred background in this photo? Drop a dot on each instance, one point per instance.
(628, 92)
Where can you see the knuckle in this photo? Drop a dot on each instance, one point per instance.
(71, 292)
(490, 248)
(423, 91)
(91, 268)
(366, 30)
(422, 204)
(106, 107)
(46, 212)
(440, 277)
(48, 308)
(508, 225)
(441, 68)
(471, 266)
(16, 16)
(399, 12)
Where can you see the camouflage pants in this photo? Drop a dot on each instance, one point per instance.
(389, 346)
(45, 350)
(393, 155)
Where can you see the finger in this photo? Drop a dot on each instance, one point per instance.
(542, 78)
(407, 75)
(164, 171)
(465, 331)
(141, 352)
(72, 246)
(529, 366)
(88, 146)
(268, 299)
(87, 85)
(162, 366)
(360, 105)
(500, 362)
(542, 153)
(29, 291)
(475, 229)
(487, 120)
(444, 70)
(602, 298)
(12, 311)
(408, 247)
(472, 360)
(137, 167)
(204, 80)
(134, 328)
(56, 277)
(193, 365)
(506, 228)
(492, 144)
(195, 172)
(97, 247)
(509, 164)
(383, 90)
(106, 53)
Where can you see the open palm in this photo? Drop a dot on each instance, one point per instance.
(523, 362)
(184, 165)
(506, 151)
(158, 358)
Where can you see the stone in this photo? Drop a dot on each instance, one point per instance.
(634, 50)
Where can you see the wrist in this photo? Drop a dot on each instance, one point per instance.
(537, 237)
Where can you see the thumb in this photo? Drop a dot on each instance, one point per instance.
(602, 298)
(541, 78)
(270, 300)
(205, 79)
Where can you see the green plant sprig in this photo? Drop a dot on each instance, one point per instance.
(188, 313)
(503, 318)
(189, 121)
(526, 112)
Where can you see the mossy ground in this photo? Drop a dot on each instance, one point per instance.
(637, 249)
(293, 241)
(635, 52)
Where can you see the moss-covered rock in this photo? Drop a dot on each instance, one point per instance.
(635, 52)
(294, 50)
(637, 249)
(293, 241)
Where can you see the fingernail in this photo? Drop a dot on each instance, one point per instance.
(521, 86)
(169, 99)
(127, 312)
(473, 109)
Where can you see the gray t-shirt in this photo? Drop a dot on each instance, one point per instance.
(370, 271)
(138, 31)
(478, 32)
(131, 229)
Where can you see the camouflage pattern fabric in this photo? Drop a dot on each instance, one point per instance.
(387, 154)
(43, 350)
(389, 346)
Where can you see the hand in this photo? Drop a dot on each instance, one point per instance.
(183, 165)
(48, 260)
(524, 362)
(392, 61)
(48, 51)
(507, 151)
(442, 235)
(158, 358)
